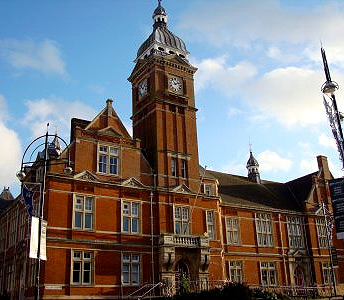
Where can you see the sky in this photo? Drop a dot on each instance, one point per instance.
(258, 80)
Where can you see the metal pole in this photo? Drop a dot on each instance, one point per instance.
(328, 234)
(40, 216)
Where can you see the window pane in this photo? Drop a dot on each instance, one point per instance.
(185, 214)
(88, 203)
(177, 213)
(113, 165)
(87, 272)
(185, 228)
(79, 201)
(134, 225)
(135, 209)
(178, 228)
(76, 272)
(126, 257)
(88, 221)
(102, 163)
(113, 151)
(77, 255)
(78, 220)
(126, 209)
(103, 148)
(126, 224)
(125, 273)
(135, 273)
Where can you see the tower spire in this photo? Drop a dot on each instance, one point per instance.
(252, 167)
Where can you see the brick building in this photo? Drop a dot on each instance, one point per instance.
(137, 210)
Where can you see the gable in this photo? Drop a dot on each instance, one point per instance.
(182, 189)
(86, 175)
(109, 131)
(133, 183)
(106, 119)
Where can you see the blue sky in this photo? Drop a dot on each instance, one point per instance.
(258, 80)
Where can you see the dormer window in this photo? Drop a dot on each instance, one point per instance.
(108, 160)
(208, 190)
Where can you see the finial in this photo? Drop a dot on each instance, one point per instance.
(249, 144)
(159, 2)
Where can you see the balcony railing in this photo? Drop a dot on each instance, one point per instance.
(188, 241)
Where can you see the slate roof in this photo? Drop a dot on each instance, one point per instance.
(238, 190)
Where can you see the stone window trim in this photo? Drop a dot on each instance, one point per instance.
(327, 273)
(210, 219)
(232, 230)
(208, 189)
(131, 216)
(84, 212)
(321, 232)
(181, 219)
(264, 231)
(295, 232)
(131, 269)
(82, 267)
(108, 159)
(184, 168)
(268, 273)
(235, 271)
(173, 167)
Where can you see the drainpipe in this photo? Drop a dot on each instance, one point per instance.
(283, 257)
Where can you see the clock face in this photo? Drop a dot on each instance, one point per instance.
(175, 84)
(143, 88)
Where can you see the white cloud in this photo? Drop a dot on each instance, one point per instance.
(244, 24)
(308, 165)
(238, 169)
(270, 161)
(42, 56)
(215, 73)
(327, 141)
(58, 112)
(10, 150)
(291, 95)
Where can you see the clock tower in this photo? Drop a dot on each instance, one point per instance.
(163, 106)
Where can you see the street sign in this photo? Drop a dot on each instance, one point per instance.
(337, 197)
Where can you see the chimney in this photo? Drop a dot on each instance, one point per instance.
(323, 165)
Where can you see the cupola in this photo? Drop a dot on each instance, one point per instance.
(252, 167)
(161, 41)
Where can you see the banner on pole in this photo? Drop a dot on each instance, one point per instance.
(337, 198)
(34, 239)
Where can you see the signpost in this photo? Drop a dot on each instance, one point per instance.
(337, 197)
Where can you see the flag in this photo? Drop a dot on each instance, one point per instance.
(28, 196)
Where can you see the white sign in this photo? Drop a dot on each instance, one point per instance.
(34, 239)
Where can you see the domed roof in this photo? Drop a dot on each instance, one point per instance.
(161, 36)
(252, 162)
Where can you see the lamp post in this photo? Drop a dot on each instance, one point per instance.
(50, 151)
(328, 89)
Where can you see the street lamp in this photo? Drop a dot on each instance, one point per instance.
(328, 89)
(51, 151)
